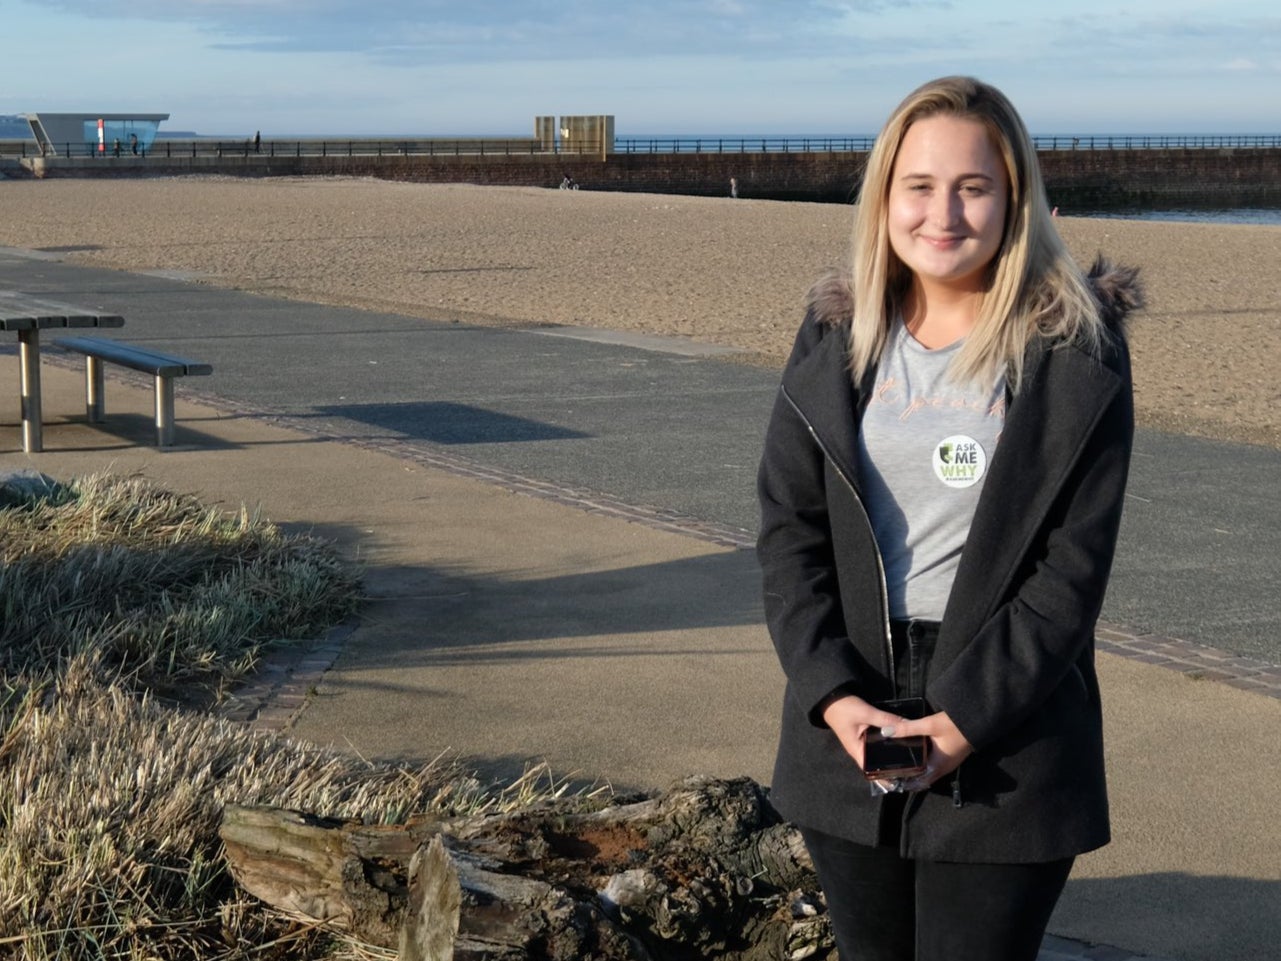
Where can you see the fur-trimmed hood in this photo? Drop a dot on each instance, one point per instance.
(1117, 290)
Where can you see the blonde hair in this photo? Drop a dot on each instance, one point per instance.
(1033, 285)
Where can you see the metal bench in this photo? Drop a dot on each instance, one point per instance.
(163, 367)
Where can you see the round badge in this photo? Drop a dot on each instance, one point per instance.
(959, 461)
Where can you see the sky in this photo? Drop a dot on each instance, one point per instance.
(683, 67)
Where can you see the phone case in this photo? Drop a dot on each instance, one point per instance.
(897, 757)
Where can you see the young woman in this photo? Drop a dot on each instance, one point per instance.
(940, 494)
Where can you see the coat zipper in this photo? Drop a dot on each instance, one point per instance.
(880, 564)
(957, 800)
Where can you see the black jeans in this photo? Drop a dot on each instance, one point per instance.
(913, 643)
(887, 908)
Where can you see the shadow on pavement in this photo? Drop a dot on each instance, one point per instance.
(444, 613)
(442, 422)
(1165, 913)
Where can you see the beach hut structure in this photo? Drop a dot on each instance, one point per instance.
(94, 132)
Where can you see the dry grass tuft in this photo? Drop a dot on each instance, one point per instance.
(163, 592)
(109, 799)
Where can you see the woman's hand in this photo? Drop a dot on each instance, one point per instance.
(851, 717)
(948, 748)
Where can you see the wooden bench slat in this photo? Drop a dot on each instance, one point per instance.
(89, 320)
(51, 313)
(128, 358)
(16, 321)
(139, 358)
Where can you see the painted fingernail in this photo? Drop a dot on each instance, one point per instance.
(887, 731)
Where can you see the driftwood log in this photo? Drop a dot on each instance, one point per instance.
(705, 870)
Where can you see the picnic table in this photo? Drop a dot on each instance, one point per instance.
(28, 315)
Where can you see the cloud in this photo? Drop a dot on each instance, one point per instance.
(663, 65)
(435, 31)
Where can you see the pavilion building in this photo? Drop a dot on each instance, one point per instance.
(88, 133)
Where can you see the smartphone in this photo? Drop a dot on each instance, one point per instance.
(896, 757)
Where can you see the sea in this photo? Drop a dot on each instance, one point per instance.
(1244, 215)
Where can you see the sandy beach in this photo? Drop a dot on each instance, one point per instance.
(728, 272)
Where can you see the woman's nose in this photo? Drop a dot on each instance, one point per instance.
(945, 208)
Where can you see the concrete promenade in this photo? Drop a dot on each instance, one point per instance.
(610, 623)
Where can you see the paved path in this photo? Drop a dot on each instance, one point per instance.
(514, 626)
(1200, 555)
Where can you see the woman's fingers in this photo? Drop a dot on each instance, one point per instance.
(948, 747)
(851, 711)
(933, 725)
(850, 718)
(927, 726)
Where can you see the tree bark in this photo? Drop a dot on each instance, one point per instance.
(705, 870)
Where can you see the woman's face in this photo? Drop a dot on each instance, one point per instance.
(948, 194)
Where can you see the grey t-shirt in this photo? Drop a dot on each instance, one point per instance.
(924, 447)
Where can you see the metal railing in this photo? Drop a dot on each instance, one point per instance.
(864, 144)
(354, 147)
(720, 145)
(496, 146)
(1164, 142)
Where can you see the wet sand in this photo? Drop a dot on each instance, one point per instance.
(728, 272)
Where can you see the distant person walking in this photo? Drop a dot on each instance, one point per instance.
(258, 141)
(733, 187)
(940, 491)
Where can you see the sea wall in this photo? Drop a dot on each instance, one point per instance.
(1210, 177)
(1075, 179)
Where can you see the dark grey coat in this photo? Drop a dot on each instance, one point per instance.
(1014, 664)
